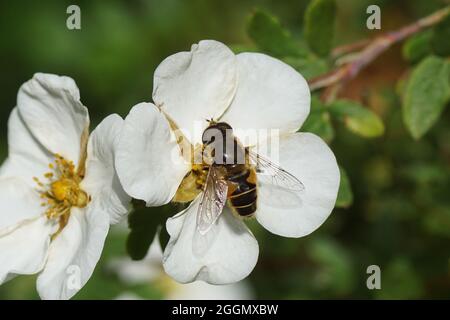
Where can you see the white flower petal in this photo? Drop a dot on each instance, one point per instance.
(229, 255)
(148, 160)
(101, 181)
(74, 253)
(196, 85)
(18, 201)
(309, 159)
(23, 248)
(27, 158)
(270, 95)
(50, 107)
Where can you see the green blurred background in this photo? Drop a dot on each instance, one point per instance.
(400, 216)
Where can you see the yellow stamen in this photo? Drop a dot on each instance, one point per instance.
(62, 191)
(48, 175)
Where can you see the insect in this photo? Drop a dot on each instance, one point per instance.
(233, 175)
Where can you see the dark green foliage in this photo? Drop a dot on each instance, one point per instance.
(268, 34)
(426, 95)
(345, 194)
(418, 46)
(143, 227)
(358, 119)
(393, 205)
(440, 40)
(319, 25)
(319, 121)
(309, 66)
(144, 223)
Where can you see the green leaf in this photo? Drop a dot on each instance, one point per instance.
(163, 237)
(426, 95)
(417, 47)
(357, 118)
(345, 194)
(143, 227)
(440, 39)
(319, 25)
(318, 121)
(426, 173)
(309, 67)
(239, 48)
(400, 86)
(335, 269)
(399, 280)
(144, 224)
(267, 32)
(437, 221)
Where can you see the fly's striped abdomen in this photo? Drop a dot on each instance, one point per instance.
(243, 198)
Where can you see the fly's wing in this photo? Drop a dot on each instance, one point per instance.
(212, 200)
(270, 173)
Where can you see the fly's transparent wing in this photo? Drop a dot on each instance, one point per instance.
(270, 173)
(212, 200)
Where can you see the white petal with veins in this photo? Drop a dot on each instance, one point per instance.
(310, 160)
(27, 158)
(196, 85)
(74, 253)
(18, 201)
(148, 160)
(50, 107)
(24, 247)
(101, 181)
(229, 250)
(270, 95)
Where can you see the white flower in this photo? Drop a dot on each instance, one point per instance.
(58, 188)
(149, 270)
(248, 91)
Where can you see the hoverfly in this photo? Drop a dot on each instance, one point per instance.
(233, 175)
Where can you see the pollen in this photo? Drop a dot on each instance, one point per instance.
(193, 183)
(61, 191)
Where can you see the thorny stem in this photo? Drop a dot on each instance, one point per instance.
(370, 50)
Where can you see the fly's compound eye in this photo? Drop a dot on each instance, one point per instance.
(217, 133)
(224, 126)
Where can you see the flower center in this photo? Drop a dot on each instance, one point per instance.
(61, 191)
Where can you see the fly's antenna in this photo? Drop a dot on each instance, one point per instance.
(211, 121)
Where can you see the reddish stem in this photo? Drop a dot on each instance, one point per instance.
(372, 49)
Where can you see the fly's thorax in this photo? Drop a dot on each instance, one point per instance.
(216, 131)
(221, 145)
(221, 149)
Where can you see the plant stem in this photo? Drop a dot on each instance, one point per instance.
(371, 49)
(348, 48)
